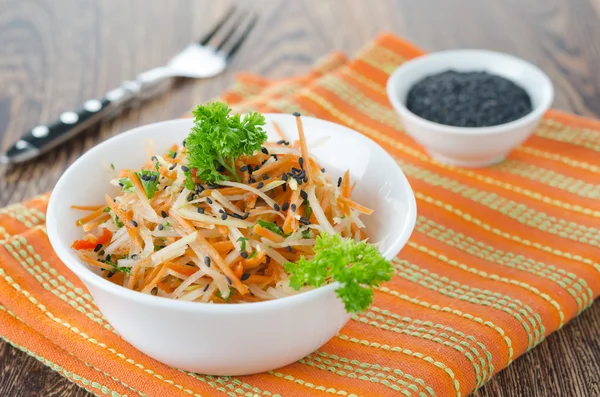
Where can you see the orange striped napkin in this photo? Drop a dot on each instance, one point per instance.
(500, 258)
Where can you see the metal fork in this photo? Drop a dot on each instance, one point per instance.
(197, 60)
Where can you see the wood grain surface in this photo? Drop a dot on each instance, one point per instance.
(55, 54)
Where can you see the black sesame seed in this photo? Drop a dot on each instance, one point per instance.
(274, 156)
(153, 178)
(244, 168)
(304, 221)
(223, 216)
(98, 248)
(145, 177)
(322, 169)
(293, 207)
(110, 274)
(264, 150)
(339, 181)
(208, 200)
(154, 291)
(163, 214)
(245, 276)
(221, 211)
(160, 227)
(199, 188)
(171, 168)
(190, 197)
(276, 207)
(297, 114)
(237, 216)
(246, 215)
(153, 158)
(211, 186)
(260, 185)
(296, 170)
(284, 177)
(120, 184)
(183, 143)
(108, 258)
(301, 162)
(283, 142)
(285, 206)
(174, 155)
(206, 287)
(101, 253)
(305, 179)
(262, 163)
(133, 256)
(251, 180)
(184, 168)
(303, 194)
(244, 255)
(207, 261)
(228, 280)
(200, 210)
(221, 168)
(134, 223)
(284, 188)
(266, 177)
(288, 248)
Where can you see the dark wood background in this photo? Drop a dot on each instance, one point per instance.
(55, 54)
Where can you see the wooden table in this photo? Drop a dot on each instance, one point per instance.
(54, 54)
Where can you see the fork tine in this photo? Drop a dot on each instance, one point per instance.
(230, 33)
(242, 38)
(209, 35)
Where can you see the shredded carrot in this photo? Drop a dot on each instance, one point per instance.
(275, 165)
(354, 205)
(90, 217)
(304, 148)
(266, 233)
(288, 225)
(278, 130)
(87, 207)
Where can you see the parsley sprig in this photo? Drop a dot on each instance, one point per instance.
(358, 266)
(218, 138)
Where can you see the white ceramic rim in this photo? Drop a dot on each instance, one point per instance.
(90, 277)
(414, 63)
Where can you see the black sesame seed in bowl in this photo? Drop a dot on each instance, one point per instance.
(468, 99)
(469, 108)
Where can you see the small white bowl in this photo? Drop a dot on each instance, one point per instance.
(470, 146)
(234, 339)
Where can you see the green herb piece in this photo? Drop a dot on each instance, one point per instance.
(306, 234)
(167, 224)
(172, 154)
(358, 266)
(107, 209)
(252, 255)
(126, 185)
(231, 293)
(189, 182)
(115, 267)
(157, 165)
(118, 222)
(307, 209)
(218, 138)
(112, 166)
(271, 226)
(149, 181)
(243, 241)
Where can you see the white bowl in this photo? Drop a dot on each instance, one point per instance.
(470, 146)
(234, 339)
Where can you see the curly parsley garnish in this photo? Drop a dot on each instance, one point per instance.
(218, 138)
(358, 266)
